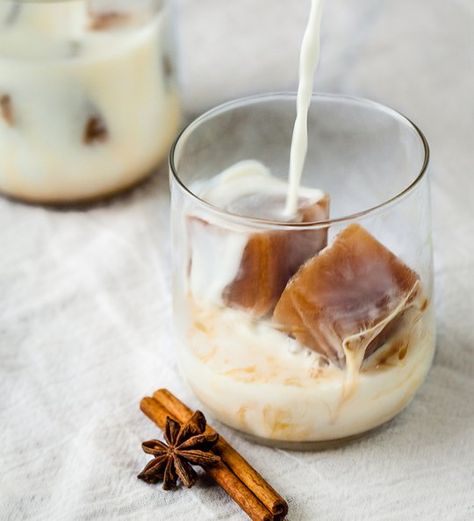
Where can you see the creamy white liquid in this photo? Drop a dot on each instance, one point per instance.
(249, 189)
(58, 71)
(309, 59)
(262, 382)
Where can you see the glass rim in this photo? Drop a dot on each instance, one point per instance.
(247, 100)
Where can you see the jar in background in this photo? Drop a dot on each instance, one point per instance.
(318, 328)
(89, 102)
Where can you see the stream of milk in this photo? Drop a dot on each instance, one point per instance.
(250, 171)
(309, 59)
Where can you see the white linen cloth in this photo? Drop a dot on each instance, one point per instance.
(85, 294)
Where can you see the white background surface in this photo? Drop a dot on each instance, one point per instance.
(85, 300)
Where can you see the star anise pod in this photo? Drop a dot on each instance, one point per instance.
(186, 445)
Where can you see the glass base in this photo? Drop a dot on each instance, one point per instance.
(299, 446)
(311, 446)
(60, 203)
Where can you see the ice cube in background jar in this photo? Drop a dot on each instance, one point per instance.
(89, 103)
(250, 270)
(346, 301)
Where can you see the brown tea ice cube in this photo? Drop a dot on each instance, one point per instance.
(244, 266)
(103, 19)
(271, 258)
(6, 109)
(250, 271)
(347, 297)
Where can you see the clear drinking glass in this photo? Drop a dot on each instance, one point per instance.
(313, 329)
(89, 102)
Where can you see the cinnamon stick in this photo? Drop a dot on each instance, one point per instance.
(220, 473)
(239, 466)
